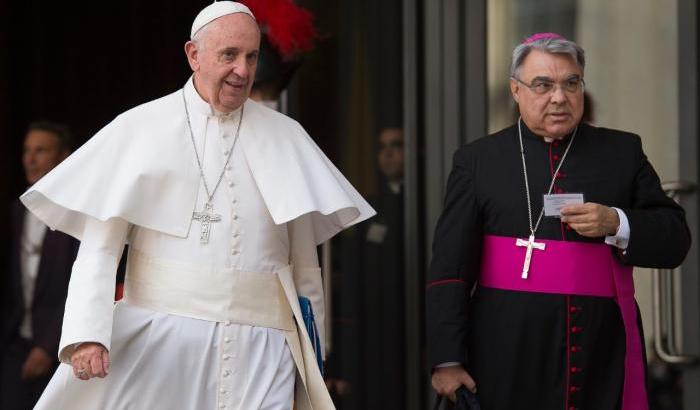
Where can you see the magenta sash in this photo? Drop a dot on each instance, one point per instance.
(573, 268)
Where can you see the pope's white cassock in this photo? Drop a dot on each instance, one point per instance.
(202, 325)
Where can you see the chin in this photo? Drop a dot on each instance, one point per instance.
(561, 131)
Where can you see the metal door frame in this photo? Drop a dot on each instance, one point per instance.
(453, 100)
(688, 170)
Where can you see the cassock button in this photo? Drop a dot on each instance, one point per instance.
(230, 184)
(555, 157)
(227, 373)
(555, 143)
(575, 370)
(575, 349)
(227, 339)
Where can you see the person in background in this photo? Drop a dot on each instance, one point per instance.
(35, 284)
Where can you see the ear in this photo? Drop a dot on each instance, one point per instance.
(192, 55)
(514, 90)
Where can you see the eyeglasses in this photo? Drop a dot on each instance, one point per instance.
(570, 85)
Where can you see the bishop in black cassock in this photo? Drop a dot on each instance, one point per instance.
(536, 349)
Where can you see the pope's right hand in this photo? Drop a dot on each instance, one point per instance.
(90, 360)
(446, 381)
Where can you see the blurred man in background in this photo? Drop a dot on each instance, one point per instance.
(35, 284)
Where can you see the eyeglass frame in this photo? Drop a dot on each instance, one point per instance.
(532, 87)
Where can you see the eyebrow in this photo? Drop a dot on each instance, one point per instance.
(229, 49)
(550, 80)
(237, 50)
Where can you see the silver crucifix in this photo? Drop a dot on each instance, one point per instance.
(530, 243)
(206, 217)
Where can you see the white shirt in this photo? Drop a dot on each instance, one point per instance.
(32, 240)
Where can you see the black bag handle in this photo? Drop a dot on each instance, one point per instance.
(466, 400)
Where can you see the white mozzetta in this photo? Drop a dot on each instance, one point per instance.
(141, 168)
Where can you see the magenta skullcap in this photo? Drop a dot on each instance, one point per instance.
(542, 36)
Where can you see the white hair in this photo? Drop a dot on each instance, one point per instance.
(198, 38)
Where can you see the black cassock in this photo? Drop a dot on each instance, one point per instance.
(517, 345)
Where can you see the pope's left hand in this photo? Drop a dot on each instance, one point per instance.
(591, 219)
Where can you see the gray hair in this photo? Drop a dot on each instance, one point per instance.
(198, 38)
(548, 45)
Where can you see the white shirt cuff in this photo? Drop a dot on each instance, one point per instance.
(622, 237)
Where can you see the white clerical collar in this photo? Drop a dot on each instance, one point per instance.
(197, 104)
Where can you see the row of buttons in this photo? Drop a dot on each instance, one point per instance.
(554, 158)
(228, 368)
(234, 217)
(574, 332)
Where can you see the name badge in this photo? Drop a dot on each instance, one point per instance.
(553, 203)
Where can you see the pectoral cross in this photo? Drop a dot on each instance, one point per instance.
(530, 243)
(206, 217)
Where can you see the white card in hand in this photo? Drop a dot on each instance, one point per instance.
(553, 203)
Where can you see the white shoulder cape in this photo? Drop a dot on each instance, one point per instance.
(141, 167)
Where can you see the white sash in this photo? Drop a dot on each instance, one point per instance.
(246, 298)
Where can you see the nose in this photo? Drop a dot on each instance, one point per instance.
(558, 95)
(241, 69)
(28, 158)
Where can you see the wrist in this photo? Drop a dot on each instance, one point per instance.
(614, 222)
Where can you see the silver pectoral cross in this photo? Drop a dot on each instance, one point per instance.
(206, 217)
(530, 244)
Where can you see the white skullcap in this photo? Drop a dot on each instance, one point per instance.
(216, 10)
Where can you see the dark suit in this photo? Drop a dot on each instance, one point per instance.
(57, 255)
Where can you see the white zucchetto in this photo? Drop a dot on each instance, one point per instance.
(216, 10)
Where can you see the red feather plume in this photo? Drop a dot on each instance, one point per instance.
(289, 28)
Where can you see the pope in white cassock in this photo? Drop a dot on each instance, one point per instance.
(222, 202)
